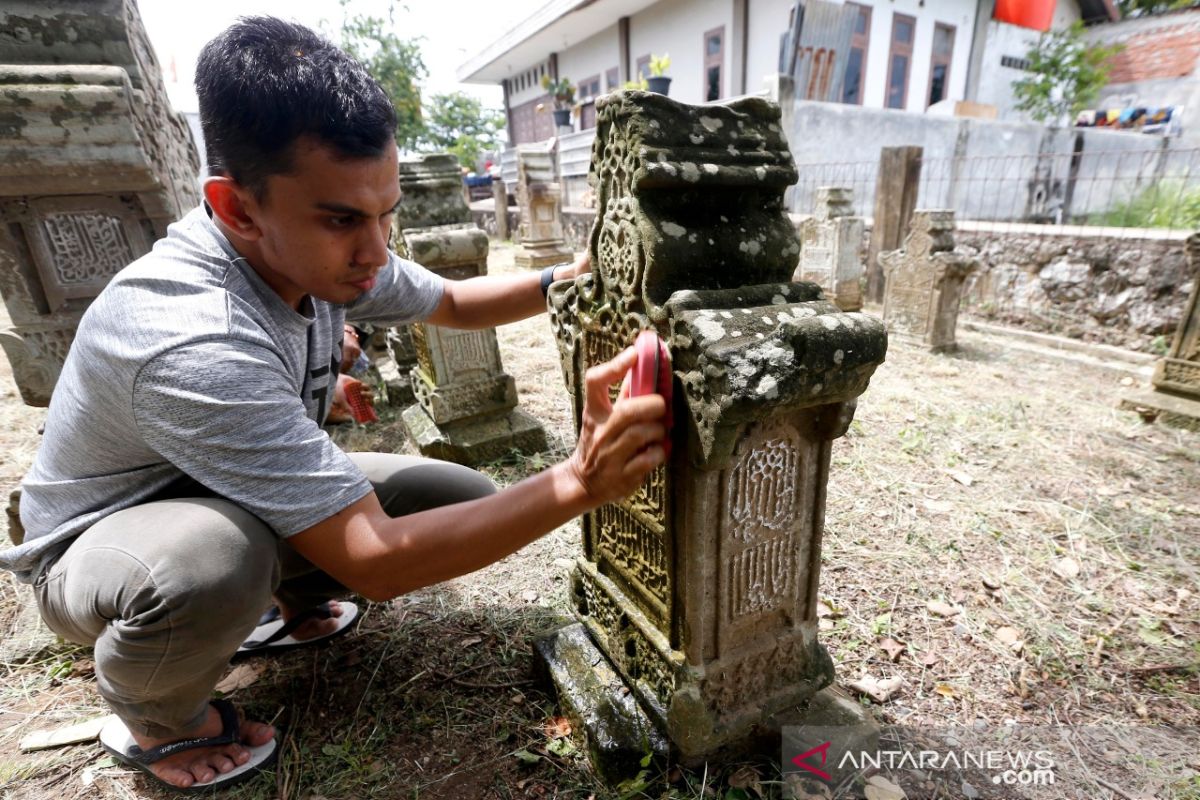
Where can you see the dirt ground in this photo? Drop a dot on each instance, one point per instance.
(998, 536)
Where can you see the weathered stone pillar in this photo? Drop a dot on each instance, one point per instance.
(924, 282)
(701, 588)
(1175, 398)
(540, 199)
(466, 407)
(94, 165)
(830, 243)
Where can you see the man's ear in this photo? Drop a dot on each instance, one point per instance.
(232, 204)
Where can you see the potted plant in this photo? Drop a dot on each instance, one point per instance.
(563, 94)
(658, 81)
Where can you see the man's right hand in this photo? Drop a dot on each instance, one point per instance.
(618, 445)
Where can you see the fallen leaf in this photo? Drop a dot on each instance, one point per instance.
(470, 641)
(746, 778)
(929, 658)
(526, 757)
(85, 731)
(938, 506)
(517, 699)
(529, 596)
(878, 690)
(240, 677)
(946, 690)
(942, 609)
(893, 648)
(880, 788)
(827, 609)
(557, 727)
(1067, 568)
(960, 476)
(991, 584)
(824, 625)
(1011, 637)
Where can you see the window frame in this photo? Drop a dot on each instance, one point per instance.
(859, 41)
(934, 61)
(709, 61)
(896, 48)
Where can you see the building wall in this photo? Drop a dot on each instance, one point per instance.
(591, 57)
(527, 85)
(1004, 40)
(959, 13)
(677, 27)
(767, 23)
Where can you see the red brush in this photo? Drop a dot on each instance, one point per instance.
(360, 406)
(651, 374)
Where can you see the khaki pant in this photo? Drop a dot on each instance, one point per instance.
(167, 591)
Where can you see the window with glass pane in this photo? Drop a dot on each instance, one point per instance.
(856, 61)
(900, 60)
(714, 63)
(939, 69)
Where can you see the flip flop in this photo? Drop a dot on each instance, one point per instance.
(274, 635)
(116, 739)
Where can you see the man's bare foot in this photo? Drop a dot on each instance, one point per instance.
(314, 627)
(204, 763)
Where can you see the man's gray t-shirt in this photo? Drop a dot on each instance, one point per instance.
(189, 366)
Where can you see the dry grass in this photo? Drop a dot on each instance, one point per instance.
(428, 698)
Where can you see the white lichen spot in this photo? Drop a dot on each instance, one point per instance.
(710, 241)
(773, 128)
(662, 156)
(691, 173)
(736, 334)
(830, 322)
(783, 316)
(838, 355)
(778, 300)
(653, 123)
(766, 320)
(696, 138)
(741, 124)
(671, 229)
(712, 124)
(758, 336)
(768, 387)
(761, 172)
(816, 388)
(733, 151)
(726, 315)
(752, 247)
(710, 329)
(724, 218)
(711, 169)
(692, 238)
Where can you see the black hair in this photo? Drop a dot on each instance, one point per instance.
(264, 83)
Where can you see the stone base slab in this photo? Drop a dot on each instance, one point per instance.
(1169, 409)
(542, 257)
(592, 694)
(620, 734)
(473, 442)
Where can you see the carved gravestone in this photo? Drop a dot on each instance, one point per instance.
(701, 588)
(540, 199)
(466, 407)
(924, 282)
(830, 242)
(94, 165)
(1175, 398)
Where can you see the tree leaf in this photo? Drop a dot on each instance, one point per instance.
(878, 690)
(526, 757)
(1067, 568)
(893, 648)
(942, 609)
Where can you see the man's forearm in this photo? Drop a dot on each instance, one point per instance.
(491, 300)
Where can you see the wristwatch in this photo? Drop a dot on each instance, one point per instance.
(548, 276)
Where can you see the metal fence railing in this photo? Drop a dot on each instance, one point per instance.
(1125, 190)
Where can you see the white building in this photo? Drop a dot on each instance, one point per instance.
(905, 54)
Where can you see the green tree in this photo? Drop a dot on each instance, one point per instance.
(1142, 8)
(395, 62)
(458, 123)
(1067, 75)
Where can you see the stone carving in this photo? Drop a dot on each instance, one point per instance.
(924, 282)
(540, 199)
(1175, 398)
(830, 243)
(701, 587)
(466, 406)
(94, 165)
